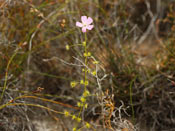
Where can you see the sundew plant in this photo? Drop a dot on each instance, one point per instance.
(85, 25)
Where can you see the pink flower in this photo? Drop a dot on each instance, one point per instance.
(86, 23)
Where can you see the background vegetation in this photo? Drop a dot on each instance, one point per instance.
(132, 39)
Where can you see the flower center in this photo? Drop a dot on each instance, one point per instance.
(84, 24)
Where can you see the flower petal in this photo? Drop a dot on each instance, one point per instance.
(89, 20)
(84, 19)
(84, 29)
(79, 24)
(89, 27)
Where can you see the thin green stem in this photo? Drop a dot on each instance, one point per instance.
(131, 101)
(85, 70)
(85, 51)
(6, 75)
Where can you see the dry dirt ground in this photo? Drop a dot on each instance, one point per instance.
(66, 124)
(61, 124)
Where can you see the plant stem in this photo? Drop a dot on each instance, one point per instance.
(6, 75)
(85, 70)
(131, 102)
(85, 51)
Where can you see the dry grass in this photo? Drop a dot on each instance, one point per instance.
(133, 40)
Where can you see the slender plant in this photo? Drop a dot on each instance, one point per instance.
(85, 24)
